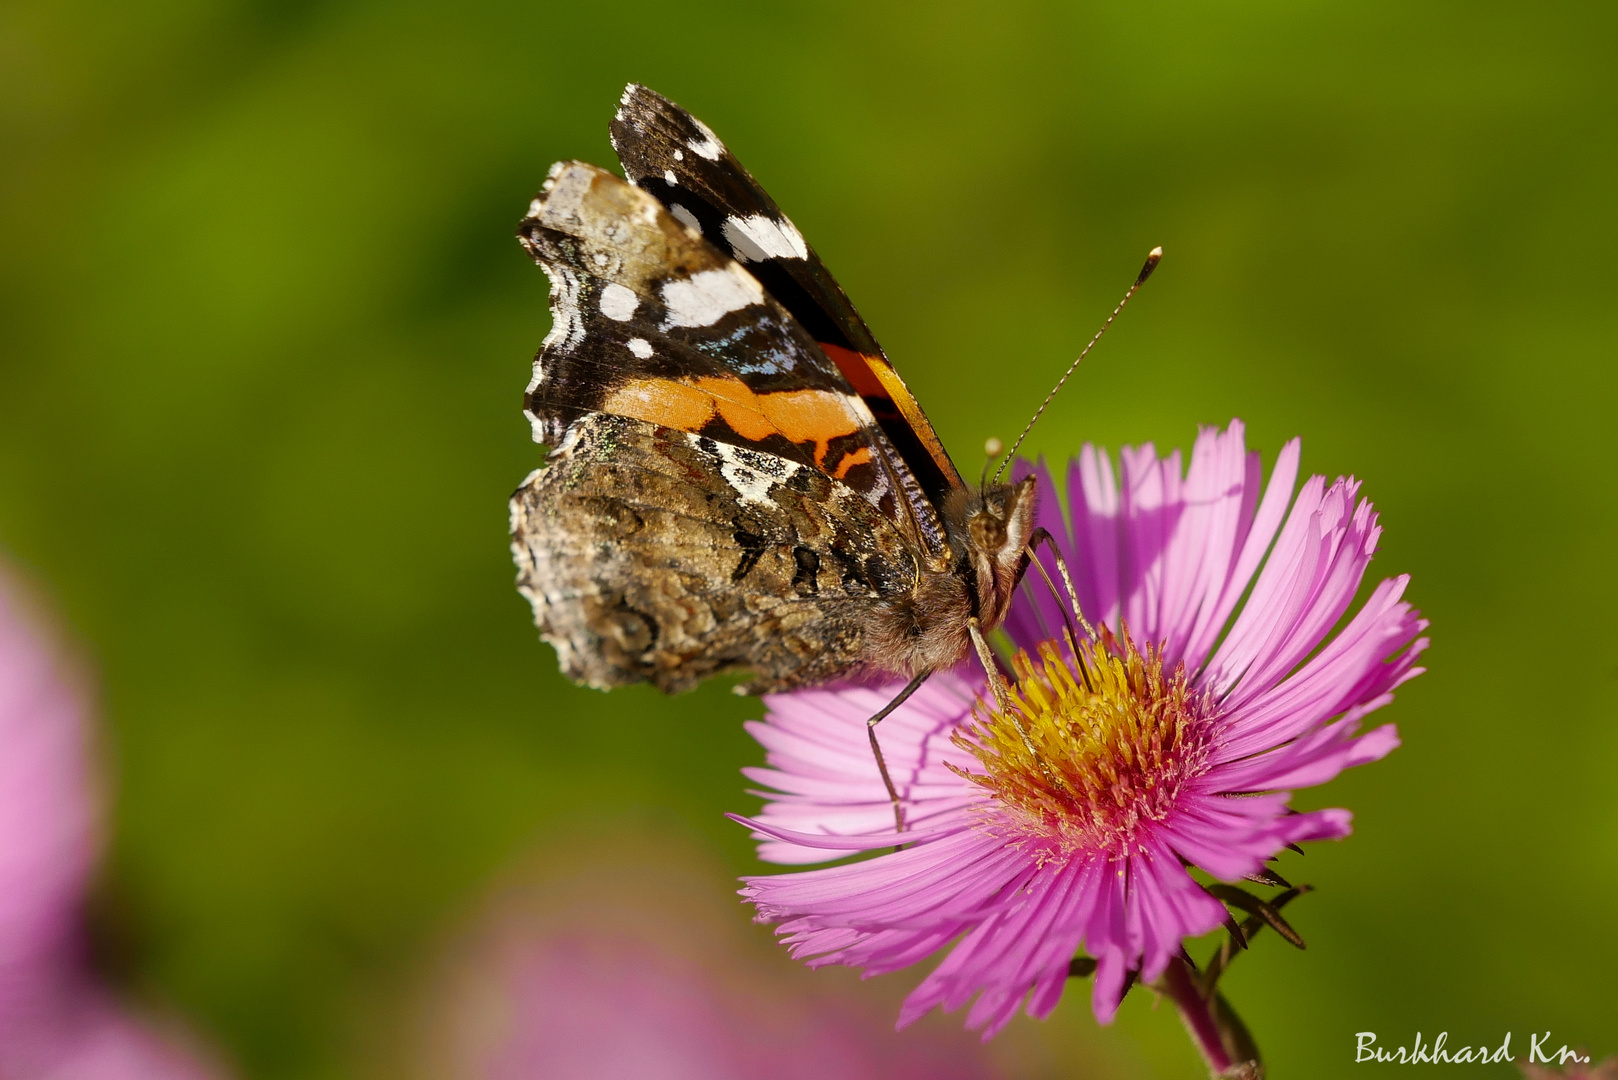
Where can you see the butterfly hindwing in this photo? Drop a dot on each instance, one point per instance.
(641, 569)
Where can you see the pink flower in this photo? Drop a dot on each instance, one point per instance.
(56, 1019)
(1067, 820)
(631, 966)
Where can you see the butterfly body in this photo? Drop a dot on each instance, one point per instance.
(738, 479)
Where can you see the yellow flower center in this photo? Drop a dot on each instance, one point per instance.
(1085, 752)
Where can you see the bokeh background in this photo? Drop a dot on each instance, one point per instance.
(264, 330)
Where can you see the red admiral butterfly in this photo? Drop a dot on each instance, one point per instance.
(738, 478)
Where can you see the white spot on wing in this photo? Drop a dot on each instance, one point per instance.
(709, 145)
(640, 347)
(756, 238)
(685, 217)
(599, 258)
(749, 473)
(679, 155)
(668, 177)
(706, 297)
(751, 486)
(618, 302)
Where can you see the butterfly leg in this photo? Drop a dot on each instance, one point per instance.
(876, 749)
(991, 665)
(997, 683)
(1042, 535)
(1029, 557)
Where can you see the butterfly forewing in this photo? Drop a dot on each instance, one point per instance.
(650, 322)
(674, 156)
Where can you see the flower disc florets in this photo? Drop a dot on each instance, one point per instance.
(1089, 748)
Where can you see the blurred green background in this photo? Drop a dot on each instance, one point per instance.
(265, 331)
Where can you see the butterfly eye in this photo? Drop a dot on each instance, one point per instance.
(987, 529)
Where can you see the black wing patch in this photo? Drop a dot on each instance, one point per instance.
(677, 158)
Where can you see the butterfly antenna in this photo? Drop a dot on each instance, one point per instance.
(1152, 259)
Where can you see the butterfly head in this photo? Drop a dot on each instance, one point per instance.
(997, 521)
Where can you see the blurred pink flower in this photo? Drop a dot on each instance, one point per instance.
(56, 1020)
(1068, 821)
(592, 1006)
(637, 968)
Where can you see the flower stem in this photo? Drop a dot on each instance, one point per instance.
(1219, 1035)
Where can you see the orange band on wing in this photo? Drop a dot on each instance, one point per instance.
(860, 455)
(662, 401)
(856, 368)
(802, 416)
(874, 377)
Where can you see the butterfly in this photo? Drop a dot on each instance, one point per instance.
(738, 478)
